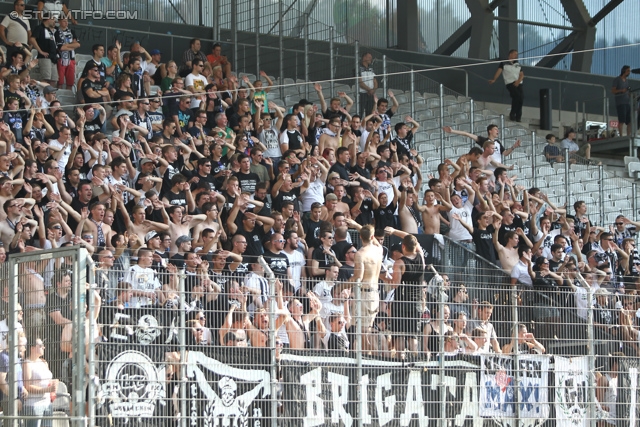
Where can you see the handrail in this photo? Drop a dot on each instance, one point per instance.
(466, 73)
(559, 82)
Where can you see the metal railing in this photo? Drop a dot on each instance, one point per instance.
(180, 353)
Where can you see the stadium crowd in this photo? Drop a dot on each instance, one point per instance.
(206, 175)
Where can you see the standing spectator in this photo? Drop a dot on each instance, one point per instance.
(67, 43)
(44, 41)
(15, 30)
(513, 77)
(113, 63)
(196, 82)
(623, 101)
(367, 84)
(485, 310)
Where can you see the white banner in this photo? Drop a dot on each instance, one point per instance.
(571, 388)
(498, 388)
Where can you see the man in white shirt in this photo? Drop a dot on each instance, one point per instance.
(62, 148)
(512, 74)
(146, 287)
(296, 260)
(324, 287)
(196, 82)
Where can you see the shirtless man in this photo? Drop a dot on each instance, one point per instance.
(210, 209)
(341, 206)
(180, 225)
(431, 211)
(298, 324)
(330, 138)
(330, 207)
(32, 285)
(140, 225)
(407, 210)
(258, 332)
(368, 263)
(508, 254)
(486, 162)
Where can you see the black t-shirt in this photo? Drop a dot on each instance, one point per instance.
(323, 260)
(88, 84)
(179, 199)
(279, 263)
(209, 179)
(504, 230)
(284, 196)
(312, 232)
(483, 239)
(247, 181)
(243, 268)
(341, 169)
(345, 273)
(77, 206)
(403, 146)
(294, 139)
(92, 127)
(366, 212)
(364, 172)
(340, 249)
(254, 240)
(384, 217)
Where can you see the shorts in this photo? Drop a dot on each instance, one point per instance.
(48, 70)
(405, 318)
(370, 305)
(624, 113)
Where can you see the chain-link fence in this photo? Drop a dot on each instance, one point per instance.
(46, 333)
(455, 341)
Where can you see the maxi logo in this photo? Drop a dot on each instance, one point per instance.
(133, 386)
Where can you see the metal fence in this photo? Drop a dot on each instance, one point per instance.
(46, 310)
(212, 348)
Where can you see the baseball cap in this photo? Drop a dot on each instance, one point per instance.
(145, 161)
(150, 235)
(155, 52)
(49, 89)
(331, 196)
(183, 239)
(123, 112)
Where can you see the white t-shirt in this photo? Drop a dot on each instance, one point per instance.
(297, 263)
(458, 232)
(580, 297)
(315, 193)
(64, 159)
(4, 332)
(323, 292)
(521, 273)
(199, 83)
(253, 281)
(142, 279)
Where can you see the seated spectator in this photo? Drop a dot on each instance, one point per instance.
(190, 54)
(552, 151)
(216, 59)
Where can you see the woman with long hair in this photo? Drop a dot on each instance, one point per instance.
(39, 382)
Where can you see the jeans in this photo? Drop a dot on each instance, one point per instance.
(39, 411)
